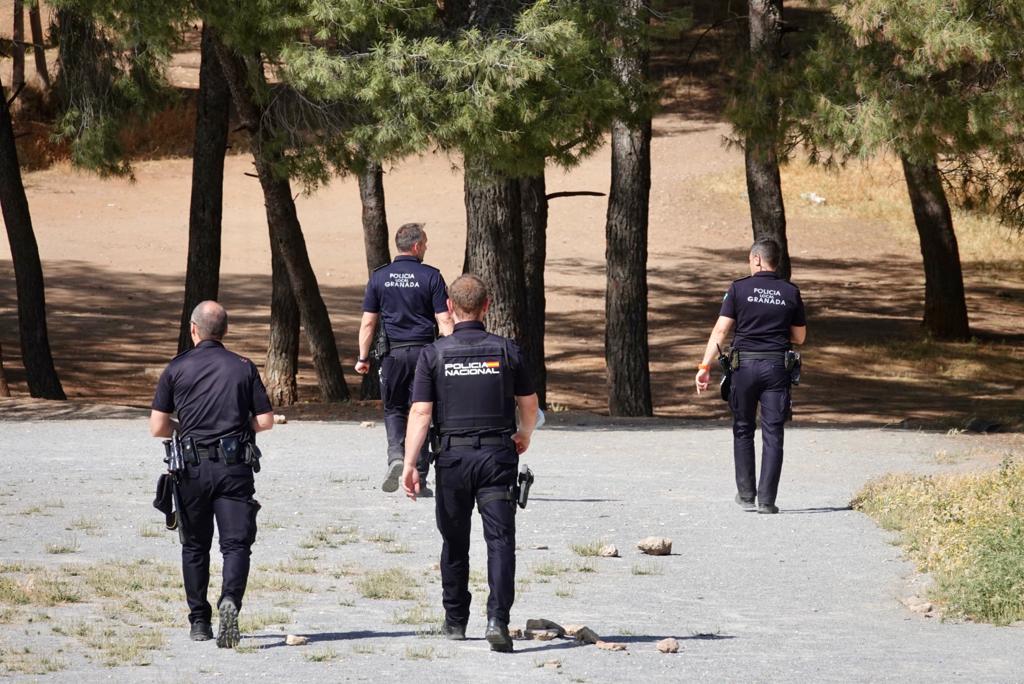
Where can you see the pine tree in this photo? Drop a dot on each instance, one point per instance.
(931, 82)
(42, 377)
(202, 272)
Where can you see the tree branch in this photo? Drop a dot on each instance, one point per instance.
(573, 193)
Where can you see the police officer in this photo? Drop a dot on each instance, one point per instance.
(768, 316)
(472, 383)
(221, 403)
(408, 297)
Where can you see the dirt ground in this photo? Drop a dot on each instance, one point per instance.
(114, 255)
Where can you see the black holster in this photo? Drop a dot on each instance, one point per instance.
(381, 343)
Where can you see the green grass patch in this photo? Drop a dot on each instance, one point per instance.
(395, 584)
(966, 530)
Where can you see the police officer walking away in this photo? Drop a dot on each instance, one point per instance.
(768, 316)
(221, 403)
(407, 296)
(472, 382)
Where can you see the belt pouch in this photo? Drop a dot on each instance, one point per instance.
(231, 449)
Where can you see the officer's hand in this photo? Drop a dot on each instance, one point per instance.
(702, 380)
(522, 442)
(411, 481)
(362, 367)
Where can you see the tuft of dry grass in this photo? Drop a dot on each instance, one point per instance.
(588, 549)
(68, 544)
(418, 615)
(115, 645)
(395, 584)
(25, 662)
(648, 568)
(966, 530)
(256, 620)
(330, 536)
(323, 655)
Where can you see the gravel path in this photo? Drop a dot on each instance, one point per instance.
(812, 594)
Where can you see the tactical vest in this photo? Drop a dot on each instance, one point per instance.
(474, 382)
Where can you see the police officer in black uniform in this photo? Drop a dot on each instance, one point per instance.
(408, 297)
(768, 316)
(472, 383)
(220, 403)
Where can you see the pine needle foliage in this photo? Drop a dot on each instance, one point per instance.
(350, 80)
(925, 79)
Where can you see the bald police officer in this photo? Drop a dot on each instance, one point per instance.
(472, 382)
(220, 403)
(407, 297)
(767, 314)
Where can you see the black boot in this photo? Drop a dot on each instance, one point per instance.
(497, 636)
(201, 631)
(453, 631)
(228, 636)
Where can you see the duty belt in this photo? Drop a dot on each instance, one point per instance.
(403, 345)
(769, 356)
(477, 441)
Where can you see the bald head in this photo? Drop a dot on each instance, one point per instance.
(210, 319)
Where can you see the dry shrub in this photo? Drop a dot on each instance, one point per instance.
(967, 530)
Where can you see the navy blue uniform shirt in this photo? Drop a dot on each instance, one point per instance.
(407, 294)
(764, 307)
(423, 383)
(215, 392)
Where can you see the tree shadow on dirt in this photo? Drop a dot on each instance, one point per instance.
(866, 356)
(867, 361)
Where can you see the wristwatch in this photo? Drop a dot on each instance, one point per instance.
(363, 359)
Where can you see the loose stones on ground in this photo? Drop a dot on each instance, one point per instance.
(655, 546)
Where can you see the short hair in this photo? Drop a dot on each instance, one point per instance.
(408, 235)
(468, 294)
(768, 250)
(211, 320)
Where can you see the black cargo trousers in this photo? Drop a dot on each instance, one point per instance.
(765, 383)
(214, 490)
(397, 371)
(465, 475)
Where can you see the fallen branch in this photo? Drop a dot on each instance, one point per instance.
(574, 193)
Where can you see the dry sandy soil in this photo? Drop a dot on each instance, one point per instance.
(114, 254)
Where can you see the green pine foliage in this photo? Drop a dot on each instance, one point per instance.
(542, 90)
(350, 80)
(922, 78)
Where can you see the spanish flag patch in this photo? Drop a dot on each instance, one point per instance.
(492, 364)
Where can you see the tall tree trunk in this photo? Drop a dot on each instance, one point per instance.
(28, 271)
(213, 104)
(625, 338)
(18, 46)
(764, 185)
(378, 252)
(945, 306)
(494, 246)
(283, 349)
(38, 43)
(285, 229)
(494, 227)
(5, 390)
(533, 198)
